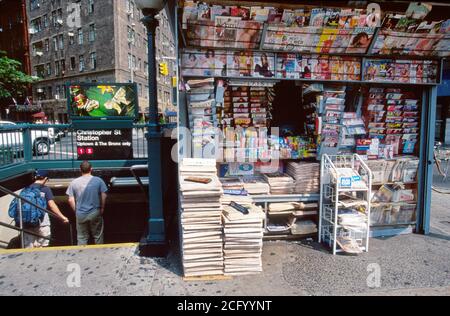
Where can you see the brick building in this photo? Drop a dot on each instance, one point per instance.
(91, 41)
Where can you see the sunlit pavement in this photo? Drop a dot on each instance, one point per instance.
(408, 265)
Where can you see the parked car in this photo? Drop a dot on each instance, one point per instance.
(41, 140)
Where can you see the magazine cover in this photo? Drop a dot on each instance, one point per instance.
(360, 41)
(288, 17)
(241, 12)
(332, 18)
(321, 68)
(418, 10)
(337, 68)
(445, 27)
(207, 62)
(190, 12)
(259, 14)
(203, 11)
(426, 44)
(301, 18)
(344, 15)
(239, 64)
(307, 66)
(352, 69)
(221, 63)
(207, 33)
(218, 10)
(190, 63)
(317, 17)
(263, 65)
(275, 16)
(249, 34)
(430, 71)
(226, 29)
(391, 21)
(289, 66)
(442, 48)
(326, 40)
(402, 71)
(341, 41)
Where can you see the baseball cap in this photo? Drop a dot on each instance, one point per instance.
(41, 174)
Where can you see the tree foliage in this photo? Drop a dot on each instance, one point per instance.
(13, 82)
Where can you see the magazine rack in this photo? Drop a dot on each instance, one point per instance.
(267, 65)
(337, 193)
(388, 42)
(409, 71)
(244, 35)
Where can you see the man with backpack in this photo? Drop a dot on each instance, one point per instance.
(33, 218)
(87, 197)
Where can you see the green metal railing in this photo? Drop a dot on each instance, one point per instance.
(25, 147)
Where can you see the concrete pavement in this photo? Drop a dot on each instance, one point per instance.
(407, 265)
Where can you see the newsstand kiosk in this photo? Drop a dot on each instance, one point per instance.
(269, 90)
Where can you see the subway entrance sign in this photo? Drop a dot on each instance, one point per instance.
(103, 116)
(104, 144)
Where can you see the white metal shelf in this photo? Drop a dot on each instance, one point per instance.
(329, 227)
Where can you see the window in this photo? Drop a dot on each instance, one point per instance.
(92, 33)
(55, 43)
(131, 35)
(80, 37)
(45, 18)
(61, 42)
(71, 39)
(34, 4)
(73, 63)
(47, 45)
(57, 68)
(54, 19)
(81, 65)
(91, 6)
(130, 61)
(93, 60)
(130, 9)
(49, 69)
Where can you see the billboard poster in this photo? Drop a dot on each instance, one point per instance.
(105, 144)
(94, 101)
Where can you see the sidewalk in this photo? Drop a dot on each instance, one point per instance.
(409, 265)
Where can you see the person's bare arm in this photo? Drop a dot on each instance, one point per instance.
(72, 203)
(55, 209)
(102, 208)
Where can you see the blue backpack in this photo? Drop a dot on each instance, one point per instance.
(31, 215)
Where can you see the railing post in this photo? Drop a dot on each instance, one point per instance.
(27, 145)
(22, 241)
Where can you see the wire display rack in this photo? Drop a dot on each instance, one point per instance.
(336, 189)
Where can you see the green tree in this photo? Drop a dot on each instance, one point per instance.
(13, 82)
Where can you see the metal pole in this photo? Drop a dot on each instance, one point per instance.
(22, 235)
(156, 225)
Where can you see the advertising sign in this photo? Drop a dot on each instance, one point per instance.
(105, 144)
(103, 101)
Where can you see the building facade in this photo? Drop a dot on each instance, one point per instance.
(87, 41)
(14, 32)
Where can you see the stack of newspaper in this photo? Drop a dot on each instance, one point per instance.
(280, 184)
(293, 208)
(243, 240)
(201, 218)
(256, 186)
(306, 176)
